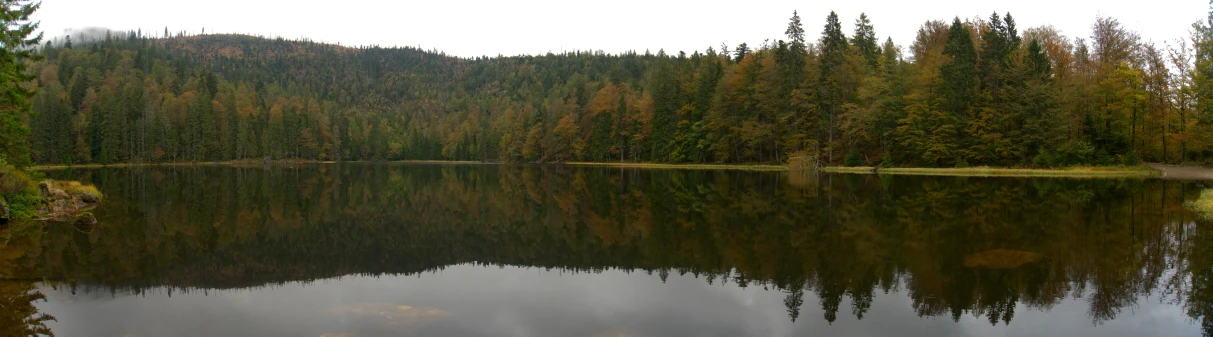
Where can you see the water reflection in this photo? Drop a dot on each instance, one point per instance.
(955, 247)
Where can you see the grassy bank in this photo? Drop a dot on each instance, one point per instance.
(242, 162)
(1090, 172)
(744, 167)
(1077, 172)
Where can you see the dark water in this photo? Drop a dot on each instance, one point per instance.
(486, 250)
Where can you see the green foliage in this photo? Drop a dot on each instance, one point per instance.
(1044, 159)
(886, 161)
(854, 159)
(962, 163)
(1073, 153)
(967, 89)
(19, 191)
(1128, 159)
(23, 205)
(14, 181)
(20, 43)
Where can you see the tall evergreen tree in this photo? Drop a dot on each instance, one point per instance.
(865, 40)
(18, 44)
(664, 87)
(958, 77)
(832, 87)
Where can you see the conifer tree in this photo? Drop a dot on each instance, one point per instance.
(18, 43)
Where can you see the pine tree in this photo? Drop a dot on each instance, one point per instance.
(865, 40)
(833, 91)
(19, 43)
(959, 77)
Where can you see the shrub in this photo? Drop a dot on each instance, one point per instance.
(854, 159)
(23, 205)
(13, 180)
(1073, 153)
(1129, 159)
(1043, 159)
(19, 191)
(962, 163)
(886, 160)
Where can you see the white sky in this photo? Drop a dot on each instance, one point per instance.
(474, 27)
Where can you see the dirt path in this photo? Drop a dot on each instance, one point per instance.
(1183, 172)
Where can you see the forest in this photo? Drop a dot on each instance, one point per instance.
(977, 91)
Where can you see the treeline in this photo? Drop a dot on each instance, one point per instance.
(972, 92)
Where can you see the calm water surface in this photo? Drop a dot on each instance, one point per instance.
(492, 250)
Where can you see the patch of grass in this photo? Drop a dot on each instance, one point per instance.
(857, 169)
(75, 188)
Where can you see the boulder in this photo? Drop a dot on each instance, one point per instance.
(89, 198)
(4, 213)
(86, 219)
(50, 192)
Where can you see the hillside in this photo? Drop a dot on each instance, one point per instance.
(967, 93)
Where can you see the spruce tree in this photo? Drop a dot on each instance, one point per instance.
(865, 40)
(18, 42)
(831, 89)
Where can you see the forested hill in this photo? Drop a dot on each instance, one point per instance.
(977, 92)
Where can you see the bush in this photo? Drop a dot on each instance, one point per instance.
(1075, 152)
(1129, 159)
(1043, 159)
(886, 160)
(962, 163)
(23, 205)
(19, 191)
(13, 180)
(854, 159)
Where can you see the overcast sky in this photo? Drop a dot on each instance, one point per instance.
(474, 28)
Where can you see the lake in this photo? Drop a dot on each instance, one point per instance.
(359, 249)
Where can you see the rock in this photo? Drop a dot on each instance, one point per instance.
(4, 214)
(86, 219)
(89, 198)
(50, 192)
(58, 194)
(265, 160)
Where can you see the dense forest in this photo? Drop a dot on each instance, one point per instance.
(968, 92)
(829, 241)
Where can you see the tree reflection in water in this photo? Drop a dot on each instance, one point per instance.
(956, 246)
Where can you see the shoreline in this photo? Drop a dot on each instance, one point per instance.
(1142, 171)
